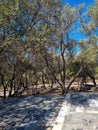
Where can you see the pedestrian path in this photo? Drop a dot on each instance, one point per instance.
(31, 113)
(78, 112)
(81, 121)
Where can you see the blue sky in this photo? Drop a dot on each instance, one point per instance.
(77, 35)
(76, 2)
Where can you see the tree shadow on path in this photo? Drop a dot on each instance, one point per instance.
(33, 113)
(86, 100)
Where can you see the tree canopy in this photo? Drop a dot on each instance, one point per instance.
(37, 45)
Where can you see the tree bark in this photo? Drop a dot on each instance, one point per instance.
(73, 79)
(93, 80)
(43, 81)
(54, 76)
(4, 92)
(4, 86)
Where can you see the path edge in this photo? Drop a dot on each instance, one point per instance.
(65, 108)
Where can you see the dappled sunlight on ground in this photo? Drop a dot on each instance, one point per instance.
(82, 113)
(32, 113)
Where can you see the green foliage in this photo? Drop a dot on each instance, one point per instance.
(93, 13)
(89, 55)
(35, 42)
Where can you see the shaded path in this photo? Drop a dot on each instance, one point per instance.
(32, 113)
(82, 113)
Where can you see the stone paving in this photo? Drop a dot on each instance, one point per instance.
(82, 113)
(40, 112)
(31, 113)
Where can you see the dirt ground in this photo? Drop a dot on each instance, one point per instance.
(55, 90)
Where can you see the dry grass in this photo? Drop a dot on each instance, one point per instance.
(40, 90)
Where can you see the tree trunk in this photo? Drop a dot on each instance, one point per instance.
(93, 80)
(43, 81)
(4, 92)
(63, 90)
(52, 82)
(10, 91)
(26, 84)
(17, 84)
(53, 74)
(73, 79)
(4, 86)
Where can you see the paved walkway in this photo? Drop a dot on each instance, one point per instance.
(31, 113)
(82, 113)
(78, 112)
